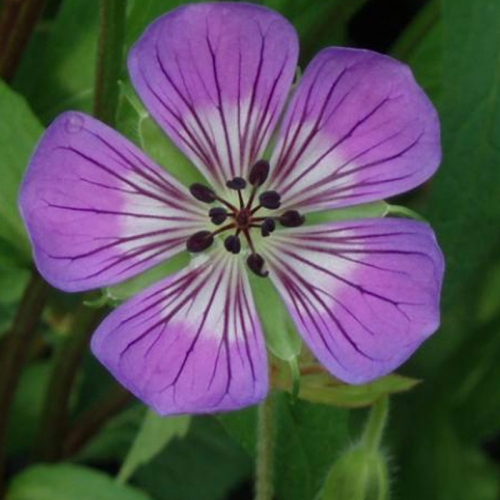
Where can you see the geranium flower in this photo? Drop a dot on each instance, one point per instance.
(363, 294)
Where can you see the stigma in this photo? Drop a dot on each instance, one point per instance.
(242, 219)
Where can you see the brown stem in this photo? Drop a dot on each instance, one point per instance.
(94, 418)
(15, 349)
(17, 20)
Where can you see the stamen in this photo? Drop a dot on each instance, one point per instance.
(218, 215)
(255, 263)
(226, 203)
(291, 218)
(267, 227)
(199, 241)
(242, 220)
(259, 173)
(202, 193)
(232, 244)
(270, 199)
(237, 183)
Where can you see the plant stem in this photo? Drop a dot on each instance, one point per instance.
(265, 451)
(109, 59)
(93, 419)
(53, 426)
(53, 423)
(374, 429)
(15, 350)
(17, 20)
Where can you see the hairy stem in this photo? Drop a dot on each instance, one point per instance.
(17, 20)
(54, 423)
(374, 429)
(15, 349)
(109, 59)
(265, 451)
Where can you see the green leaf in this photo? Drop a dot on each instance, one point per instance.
(472, 374)
(463, 198)
(308, 438)
(242, 426)
(155, 434)
(326, 390)
(421, 46)
(435, 464)
(19, 133)
(113, 441)
(12, 283)
(205, 465)
(61, 76)
(68, 482)
(10, 256)
(24, 416)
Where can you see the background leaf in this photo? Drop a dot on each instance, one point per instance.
(19, 133)
(205, 465)
(59, 74)
(68, 482)
(155, 433)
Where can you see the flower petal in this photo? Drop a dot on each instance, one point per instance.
(358, 129)
(191, 343)
(97, 209)
(363, 294)
(215, 76)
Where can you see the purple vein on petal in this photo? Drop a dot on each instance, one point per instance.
(222, 72)
(191, 343)
(358, 129)
(97, 209)
(363, 294)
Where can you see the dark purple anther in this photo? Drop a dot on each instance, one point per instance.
(232, 244)
(202, 193)
(237, 183)
(258, 173)
(255, 263)
(267, 227)
(292, 218)
(270, 199)
(217, 215)
(199, 241)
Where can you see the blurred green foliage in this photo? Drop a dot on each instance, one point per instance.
(443, 436)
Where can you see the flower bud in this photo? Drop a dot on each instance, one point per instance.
(360, 474)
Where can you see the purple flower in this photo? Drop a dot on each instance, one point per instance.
(363, 294)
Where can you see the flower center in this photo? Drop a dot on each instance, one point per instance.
(242, 218)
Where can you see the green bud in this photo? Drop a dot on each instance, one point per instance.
(360, 474)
